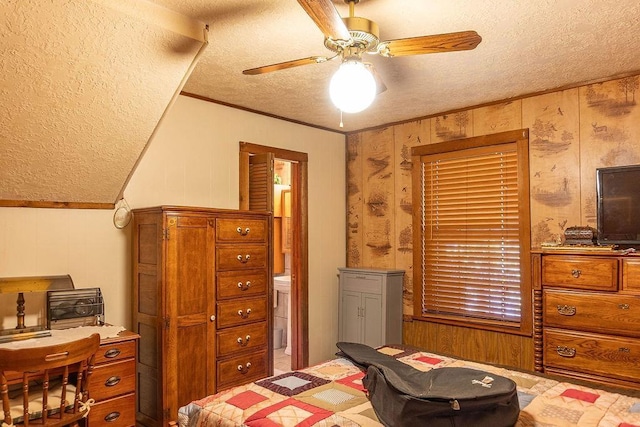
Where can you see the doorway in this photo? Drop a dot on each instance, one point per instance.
(281, 248)
(275, 180)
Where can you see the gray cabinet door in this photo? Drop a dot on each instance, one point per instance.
(350, 325)
(372, 322)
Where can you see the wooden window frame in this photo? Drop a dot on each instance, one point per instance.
(521, 140)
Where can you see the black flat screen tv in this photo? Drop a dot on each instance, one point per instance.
(618, 206)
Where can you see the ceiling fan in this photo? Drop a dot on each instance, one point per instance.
(351, 37)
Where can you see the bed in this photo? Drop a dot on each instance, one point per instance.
(331, 394)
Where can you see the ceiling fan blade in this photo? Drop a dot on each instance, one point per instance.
(327, 18)
(464, 40)
(285, 65)
(380, 86)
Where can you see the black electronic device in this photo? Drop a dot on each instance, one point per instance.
(72, 308)
(618, 205)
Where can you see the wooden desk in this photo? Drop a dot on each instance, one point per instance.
(113, 381)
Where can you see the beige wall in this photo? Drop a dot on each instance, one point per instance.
(49, 242)
(192, 160)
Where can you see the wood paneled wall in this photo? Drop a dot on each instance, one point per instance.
(572, 132)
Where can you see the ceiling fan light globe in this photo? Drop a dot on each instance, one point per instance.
(352, 87)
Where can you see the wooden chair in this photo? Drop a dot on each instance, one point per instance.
(53, 377)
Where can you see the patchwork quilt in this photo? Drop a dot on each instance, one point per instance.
(331, 394)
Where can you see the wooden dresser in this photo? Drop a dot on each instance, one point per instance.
(113, 382)
(202, 304)
(587, 315)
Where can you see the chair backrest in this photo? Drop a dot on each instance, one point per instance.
(46, 385)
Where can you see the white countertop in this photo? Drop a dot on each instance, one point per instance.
(59, 336)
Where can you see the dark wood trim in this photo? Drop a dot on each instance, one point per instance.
(524, 199)
(57, 205)
(279, 153)
(475, 142)
(417, 207)
(300, 264)
(262, 113)
(244, 180)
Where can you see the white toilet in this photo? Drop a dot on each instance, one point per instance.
(283, 284)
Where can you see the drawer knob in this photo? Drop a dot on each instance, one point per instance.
(566, 351)
(576, 273)
(245, 286)
(244, 342)
(566, 310)
(245, 259)
(244, 369)
(111, 353)
(623, 306)
(112, 416)
(243, 232)
(212, 318)
(243, 314)
(111, 381)
(624, 350)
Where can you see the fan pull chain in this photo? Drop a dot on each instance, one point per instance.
(341, 124)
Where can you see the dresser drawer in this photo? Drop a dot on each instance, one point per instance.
(592, 353)
(241, 230)
(241, 257)
(580, 272)
(114, 351)
(240, 312)
(242, 369)
(631, 274)
(591, 311)
(362, 283)
(234, 284)
(241, 338)
(117, 412)
(113, 379)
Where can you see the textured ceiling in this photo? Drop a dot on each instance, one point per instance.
(83, 86)
(527, 47)
(85, 83)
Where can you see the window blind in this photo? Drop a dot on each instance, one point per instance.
(471, 264)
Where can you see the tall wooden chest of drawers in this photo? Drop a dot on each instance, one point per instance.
(202, 304)
(588, 315)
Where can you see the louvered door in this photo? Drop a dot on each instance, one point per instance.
(261, 182)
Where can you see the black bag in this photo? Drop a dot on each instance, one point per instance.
(442, 397)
